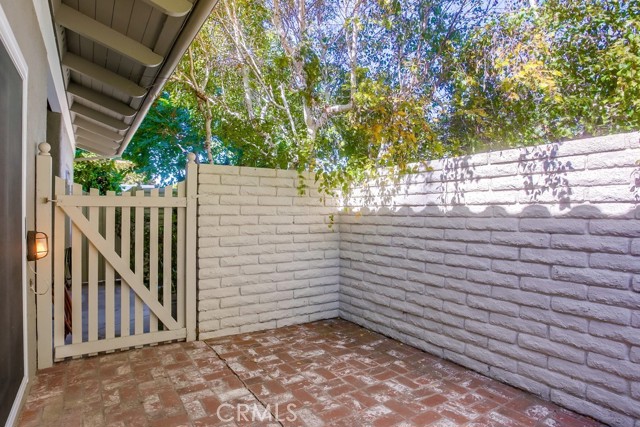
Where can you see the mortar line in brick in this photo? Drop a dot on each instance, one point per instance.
(266, 405)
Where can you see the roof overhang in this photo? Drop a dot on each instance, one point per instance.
(115, 57)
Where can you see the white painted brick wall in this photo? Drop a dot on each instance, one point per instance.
(267, 256)
(521, 264)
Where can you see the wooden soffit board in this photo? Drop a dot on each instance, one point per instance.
(115, 57)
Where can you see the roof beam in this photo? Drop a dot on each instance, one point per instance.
(175, 8)
(199, 14)
(92, 159)
(91, 143)
(98, 139)
(99, 117)
(87, 145)
(106, 36)
(97, 129)
(101, 100)
(103, 75)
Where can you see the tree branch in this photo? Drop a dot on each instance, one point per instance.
(288, 110)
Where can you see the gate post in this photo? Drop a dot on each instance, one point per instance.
(44, 282)
(191, 248)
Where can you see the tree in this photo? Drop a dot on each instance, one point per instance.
(105, 175)
(346, 87)
(192, 80)
(160, 146)
(566, 69)
(335, 87)
(313, 37)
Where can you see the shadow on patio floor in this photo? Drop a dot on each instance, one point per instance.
(329, 373)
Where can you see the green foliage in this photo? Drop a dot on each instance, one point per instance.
(105, 175)
(160, 243)
(568, 69)
(160, 146)
(294, 79)
(356, 85)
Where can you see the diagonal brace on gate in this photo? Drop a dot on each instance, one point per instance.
(133, 280)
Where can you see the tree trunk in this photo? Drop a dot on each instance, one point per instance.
(230, 8)
(208, 118)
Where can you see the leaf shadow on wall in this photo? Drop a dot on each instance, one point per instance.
(541, 175)
(455, 175)
(635, 183)
(545, 174)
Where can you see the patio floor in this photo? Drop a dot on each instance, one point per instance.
(328, 373)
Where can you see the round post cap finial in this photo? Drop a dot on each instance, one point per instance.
(44, 148)
(191, 158)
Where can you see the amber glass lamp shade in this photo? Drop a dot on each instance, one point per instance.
(37, 245)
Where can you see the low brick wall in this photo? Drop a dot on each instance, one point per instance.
(267, 257)
(520, 264)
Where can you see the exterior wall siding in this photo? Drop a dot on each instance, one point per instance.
(25, 27)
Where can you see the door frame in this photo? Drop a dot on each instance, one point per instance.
(8, 40)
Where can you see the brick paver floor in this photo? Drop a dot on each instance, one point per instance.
(330, 373)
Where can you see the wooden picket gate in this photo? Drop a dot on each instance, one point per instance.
(138, 252)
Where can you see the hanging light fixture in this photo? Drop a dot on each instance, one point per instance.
(37, 245)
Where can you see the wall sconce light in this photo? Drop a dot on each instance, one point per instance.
(37, 245)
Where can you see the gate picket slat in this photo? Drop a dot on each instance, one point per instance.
(166, 252)
(59, 268)
(109, 276)
(153, 258)
(119, 203)
(92, 292)
(139, 266)
(121, 266)
(101, 319)
(125, 253)
(180, 261)
(119, 343)
(76, 278)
